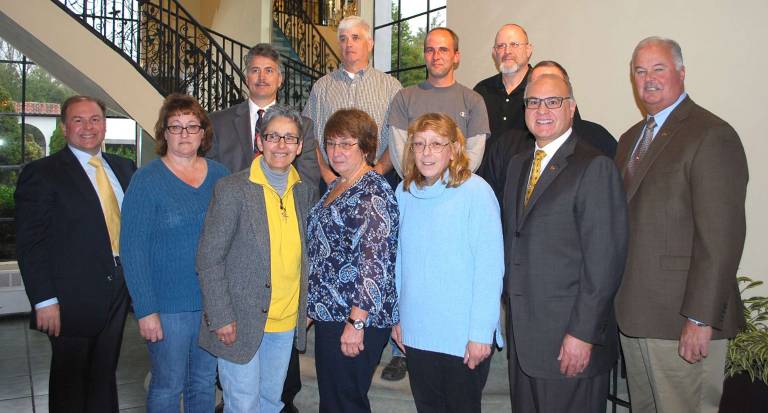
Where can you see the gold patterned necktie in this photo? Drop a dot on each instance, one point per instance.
(535, 173)
(108, 203)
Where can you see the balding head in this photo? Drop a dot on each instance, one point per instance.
(511, 49)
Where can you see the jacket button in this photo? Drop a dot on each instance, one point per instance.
(268, 285)
(264, 310)
(517, 234)
(109, 278)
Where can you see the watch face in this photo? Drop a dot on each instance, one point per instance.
(359, 324)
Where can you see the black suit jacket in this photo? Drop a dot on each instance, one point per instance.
(62, 241)
(564, 256)
(233, 143)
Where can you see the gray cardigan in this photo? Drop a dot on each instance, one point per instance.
(233, 263)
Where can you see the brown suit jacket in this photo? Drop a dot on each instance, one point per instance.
(686, 226)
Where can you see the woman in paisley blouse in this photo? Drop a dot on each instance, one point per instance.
(352, 246)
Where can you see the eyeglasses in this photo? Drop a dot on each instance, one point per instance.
(434, 147)
(191, 129)
(512, 45)
(552, 102)
(344, 146)
(275, 138)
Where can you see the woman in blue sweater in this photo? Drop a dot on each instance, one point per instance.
(162, 216)
(450, 265)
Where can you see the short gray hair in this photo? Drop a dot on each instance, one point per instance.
(282, 111)
(355, 21)
(263, 50)
(671, 45)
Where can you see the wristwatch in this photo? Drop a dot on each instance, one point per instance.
(357, 324)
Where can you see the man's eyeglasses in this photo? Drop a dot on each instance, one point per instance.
(275, 138)
(191, 129)
(434, 147)
(344, 146)
(512, 45)
(552, 102)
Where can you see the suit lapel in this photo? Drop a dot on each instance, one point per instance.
(79, 177)
(242, 124)
(663, 137)
(548, 175)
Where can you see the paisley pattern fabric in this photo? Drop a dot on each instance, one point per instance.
(352, 246)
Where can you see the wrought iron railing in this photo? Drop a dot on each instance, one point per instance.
(298, 78)
(167, 45)
(311, 47)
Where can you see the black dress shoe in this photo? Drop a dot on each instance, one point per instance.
(395, 370)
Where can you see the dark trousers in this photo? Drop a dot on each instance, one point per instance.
(83, 369)
(442, 383)
(532, 394)
(292, 384)
(342, 381)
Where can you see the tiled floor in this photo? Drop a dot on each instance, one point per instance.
(25, 361)
(25, 357)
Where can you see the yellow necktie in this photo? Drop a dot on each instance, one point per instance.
(535, 173)
(108, 203)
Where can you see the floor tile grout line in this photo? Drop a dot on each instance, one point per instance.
(29, 368)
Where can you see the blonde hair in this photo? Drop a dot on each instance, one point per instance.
(443, 125)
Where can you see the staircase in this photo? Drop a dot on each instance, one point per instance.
(296, 26)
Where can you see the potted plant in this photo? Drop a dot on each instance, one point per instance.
(746, 365)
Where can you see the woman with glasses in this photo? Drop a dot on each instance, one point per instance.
(450, 266)
(253, 268)
(162, 217)
(352, 243)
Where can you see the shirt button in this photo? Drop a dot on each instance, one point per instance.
(505, 118)
(507, 99)
(109, 278)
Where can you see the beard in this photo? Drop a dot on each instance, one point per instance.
(509, 68)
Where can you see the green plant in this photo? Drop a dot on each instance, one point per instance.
(748, 351)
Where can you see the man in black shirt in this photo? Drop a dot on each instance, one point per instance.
(503, 92)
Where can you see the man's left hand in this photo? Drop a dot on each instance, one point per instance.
(694, 342)
(574, 355)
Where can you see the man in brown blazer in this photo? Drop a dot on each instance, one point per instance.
(685, 174)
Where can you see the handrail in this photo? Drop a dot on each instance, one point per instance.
(298, 78)
(167, 45)
(306, 40)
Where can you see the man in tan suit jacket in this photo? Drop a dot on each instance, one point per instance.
(685, 174)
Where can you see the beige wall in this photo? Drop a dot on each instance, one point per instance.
(247, 21)
(722, 46)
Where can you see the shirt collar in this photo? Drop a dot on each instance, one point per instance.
(82, 156)
(663, 114)
(254, 108)
(552, 147)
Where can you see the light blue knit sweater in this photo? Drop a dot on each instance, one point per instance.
(450, 266)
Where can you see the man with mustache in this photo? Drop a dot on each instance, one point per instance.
(685, 174)
(235, 128)
(440, 93)
(503, 92)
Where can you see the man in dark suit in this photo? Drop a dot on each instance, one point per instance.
(565, 239)
(68, 230)
(685, 174)
(500, 149)
(234, 128)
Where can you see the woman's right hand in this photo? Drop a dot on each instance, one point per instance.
(151, 328)
(397, 336)
(227, 334)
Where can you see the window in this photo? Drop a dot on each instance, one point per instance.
(30, 101)
(399, 30)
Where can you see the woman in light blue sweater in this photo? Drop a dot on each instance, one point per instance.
(162, 216)
(450, 265)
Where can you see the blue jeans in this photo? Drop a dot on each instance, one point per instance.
(257, 385)
(180, 366)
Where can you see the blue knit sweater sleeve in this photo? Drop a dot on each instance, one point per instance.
(487, 246)
(137, 223)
